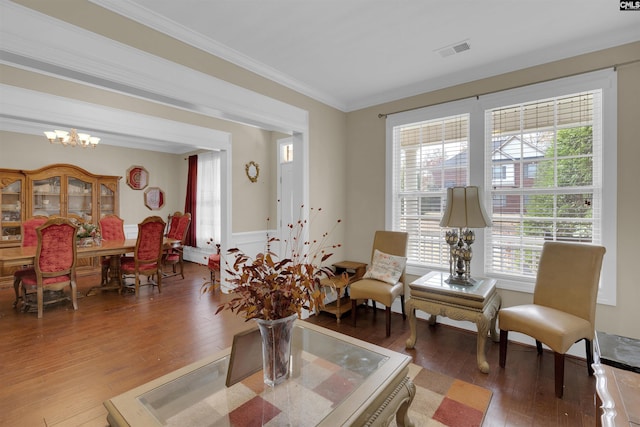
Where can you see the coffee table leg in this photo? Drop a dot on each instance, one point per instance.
(411, 312)
(402, 415)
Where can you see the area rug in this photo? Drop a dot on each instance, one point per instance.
(445, 401)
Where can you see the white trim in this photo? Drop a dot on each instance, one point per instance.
(33, 112)
(34, 41)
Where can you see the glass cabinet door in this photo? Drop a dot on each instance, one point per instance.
(79, 199)
(107, 201)
(11, 210)
(46, 197)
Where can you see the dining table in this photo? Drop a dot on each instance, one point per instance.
(21, 256)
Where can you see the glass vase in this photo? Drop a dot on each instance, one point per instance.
(276, 348)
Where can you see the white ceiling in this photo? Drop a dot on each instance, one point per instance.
(352, 54)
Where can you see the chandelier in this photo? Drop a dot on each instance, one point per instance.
(72, 138)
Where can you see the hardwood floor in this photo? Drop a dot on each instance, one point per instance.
(57, 371)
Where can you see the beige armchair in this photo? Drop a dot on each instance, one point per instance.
(385, 292)
(564, 304)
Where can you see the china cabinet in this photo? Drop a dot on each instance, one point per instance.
(55, 190)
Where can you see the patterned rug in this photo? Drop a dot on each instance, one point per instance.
(445, 401)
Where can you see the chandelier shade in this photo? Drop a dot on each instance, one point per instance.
(73, 138)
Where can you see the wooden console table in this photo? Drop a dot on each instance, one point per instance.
(355, 271)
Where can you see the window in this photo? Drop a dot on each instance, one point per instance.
(429, 156)
(545, 156)
(208, 202)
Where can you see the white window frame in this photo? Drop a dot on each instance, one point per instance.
(606, 80)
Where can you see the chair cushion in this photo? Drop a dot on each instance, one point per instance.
(376, 290)
(172, 257)
(555, 328)
(386, 268)
(129, 266)
(30, 280)
(214, 262)
(18, 274)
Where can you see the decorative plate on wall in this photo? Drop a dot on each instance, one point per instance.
(137, 177)
(154, 198)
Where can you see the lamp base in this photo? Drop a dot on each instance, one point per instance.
(457, 280)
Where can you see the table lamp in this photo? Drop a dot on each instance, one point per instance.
(464, 210)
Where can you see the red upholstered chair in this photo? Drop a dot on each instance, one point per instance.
(111, 229)
(214, 266)
(29, 239)
(174, 255)
(54, 264)
(172, 223)
(147, 256)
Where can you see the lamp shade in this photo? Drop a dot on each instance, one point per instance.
(464, 209)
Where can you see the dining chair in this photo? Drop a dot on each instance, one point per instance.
(174, 256)
(54, 265)
(111, 229)
(564, 304)
(384, 280)
(147, 255)
(172, 223)
(29, 239)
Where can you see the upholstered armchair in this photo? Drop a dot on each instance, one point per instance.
(564, 304)
(29, 239)
(384, 280)
(54, 264)
(147, 256)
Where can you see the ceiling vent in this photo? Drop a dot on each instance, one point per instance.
(453, 49)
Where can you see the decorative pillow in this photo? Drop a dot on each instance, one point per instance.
(386, 268)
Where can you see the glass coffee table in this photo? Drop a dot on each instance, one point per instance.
(335, 380)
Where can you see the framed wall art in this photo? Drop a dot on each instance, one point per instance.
(154, 198)
(137, 177)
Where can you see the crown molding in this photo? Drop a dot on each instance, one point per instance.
(41, 43)
(32, 112)
(166, 26)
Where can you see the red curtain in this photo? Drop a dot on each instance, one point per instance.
(190, 201)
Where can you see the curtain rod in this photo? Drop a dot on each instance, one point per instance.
(477, 96)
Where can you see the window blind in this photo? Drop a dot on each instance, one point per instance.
(543, 169)
(428, 157)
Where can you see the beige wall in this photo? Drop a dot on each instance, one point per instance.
(365, 177)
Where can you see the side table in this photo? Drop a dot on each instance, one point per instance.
(478, 303)
(342, 304)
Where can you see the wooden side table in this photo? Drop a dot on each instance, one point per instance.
(342, 304)
(478, 303)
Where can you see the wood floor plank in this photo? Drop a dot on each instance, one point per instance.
(58, 370)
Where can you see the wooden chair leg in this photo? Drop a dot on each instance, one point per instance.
(588, 346)
(559, 362)
(40, 297)
(504, 336)
(404, 315)
(354, 307)
(388, 310)
(16, 289)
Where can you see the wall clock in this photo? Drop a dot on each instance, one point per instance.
(137, 177)
(154, 198)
